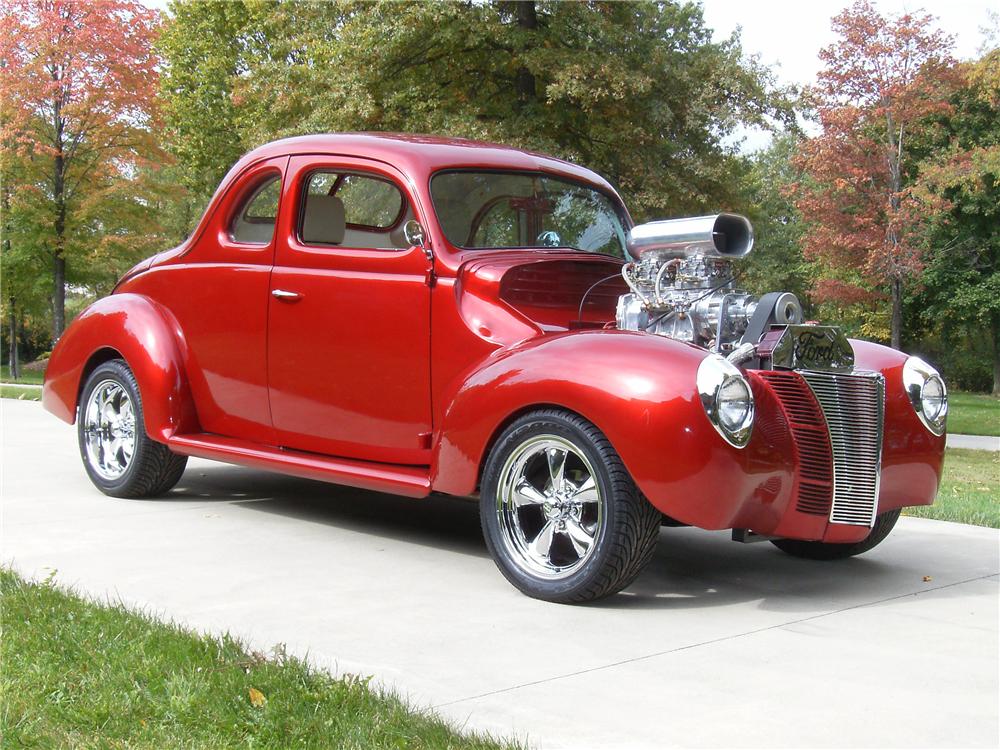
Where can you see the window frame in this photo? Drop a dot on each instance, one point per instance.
(247, 196)
(306, 179)
(616, 203)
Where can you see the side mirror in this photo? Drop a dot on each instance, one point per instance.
(414, 234)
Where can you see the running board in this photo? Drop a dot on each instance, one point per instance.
(411, 481)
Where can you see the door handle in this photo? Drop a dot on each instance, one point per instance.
(285, 296)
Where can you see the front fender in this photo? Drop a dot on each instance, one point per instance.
(639, 390)
(912, 456)
(148, 339)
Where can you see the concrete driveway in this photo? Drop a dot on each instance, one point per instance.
(717, 644)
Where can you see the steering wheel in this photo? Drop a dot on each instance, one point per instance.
(549, 239)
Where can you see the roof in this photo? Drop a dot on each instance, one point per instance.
(423, 154)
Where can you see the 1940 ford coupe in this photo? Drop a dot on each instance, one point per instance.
(412, 315)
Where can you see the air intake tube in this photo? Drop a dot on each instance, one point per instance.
(720, 236)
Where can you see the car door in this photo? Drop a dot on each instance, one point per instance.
(349, 315)
(217, 294)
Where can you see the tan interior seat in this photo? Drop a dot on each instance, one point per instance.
(398, 235)
(324, 220)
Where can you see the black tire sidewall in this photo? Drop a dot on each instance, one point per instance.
(564, 589)
(120, 373)
(828, 551)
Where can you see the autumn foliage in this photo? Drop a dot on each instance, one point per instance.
(882, 79)
(885, 222)
(78, 91)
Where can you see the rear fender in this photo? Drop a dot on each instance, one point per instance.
(147, 337)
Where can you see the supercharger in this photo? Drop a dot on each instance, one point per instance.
(683, 286)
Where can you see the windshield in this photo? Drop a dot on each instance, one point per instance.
(513, 209)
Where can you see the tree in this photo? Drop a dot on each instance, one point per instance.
(639, 91)
(881, 80)
(204, 46)
(79, 85)
(961, 283)
(776, 262)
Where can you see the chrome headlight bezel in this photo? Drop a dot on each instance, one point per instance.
(916, 375)
(714, 375)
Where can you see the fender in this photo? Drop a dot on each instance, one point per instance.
(912, 456)
(140, 331)
(639, 390)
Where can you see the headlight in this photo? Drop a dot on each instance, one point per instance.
(927, 393)
(727, 399)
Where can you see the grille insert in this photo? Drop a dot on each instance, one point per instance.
(854, 406)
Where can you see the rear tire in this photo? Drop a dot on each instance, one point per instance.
(120, 458)
(561, 516)
(827, 551)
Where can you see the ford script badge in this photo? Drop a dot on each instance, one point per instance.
(804, 347)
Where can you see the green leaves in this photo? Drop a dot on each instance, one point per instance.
(637, 91)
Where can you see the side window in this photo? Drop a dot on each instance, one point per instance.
(254, 221)
(353, 210)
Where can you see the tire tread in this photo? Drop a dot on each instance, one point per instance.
(156, 469)
(633, 539)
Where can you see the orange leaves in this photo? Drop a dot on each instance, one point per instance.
(79, 75)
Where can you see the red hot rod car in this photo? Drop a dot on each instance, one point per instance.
(412, 315)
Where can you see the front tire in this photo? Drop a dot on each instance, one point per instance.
(561, 516)
(120, 458)
(884, 523)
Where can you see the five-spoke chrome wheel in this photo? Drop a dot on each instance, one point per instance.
(549, 506)
(109, 430)
(561, 516)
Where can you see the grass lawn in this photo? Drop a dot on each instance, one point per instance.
(81, 675)
(973, 413)
(970, 489)
(16, 391)
(27, 376)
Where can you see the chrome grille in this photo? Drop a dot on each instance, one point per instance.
(853, 405)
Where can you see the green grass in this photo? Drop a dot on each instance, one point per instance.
(970, 489)
(973, 414)
(82, 675)
(27, 376)
(18, 392)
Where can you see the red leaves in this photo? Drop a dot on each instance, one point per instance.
(883, 76)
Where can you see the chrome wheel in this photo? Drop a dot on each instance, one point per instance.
(549, 507)
(109, 430)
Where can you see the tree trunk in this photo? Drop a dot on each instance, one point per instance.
(58, 296)
(15, 370)
(995, 338)
(527, 18)
(59, 227)
(896, 331)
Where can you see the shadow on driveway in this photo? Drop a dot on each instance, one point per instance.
(690, 568)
